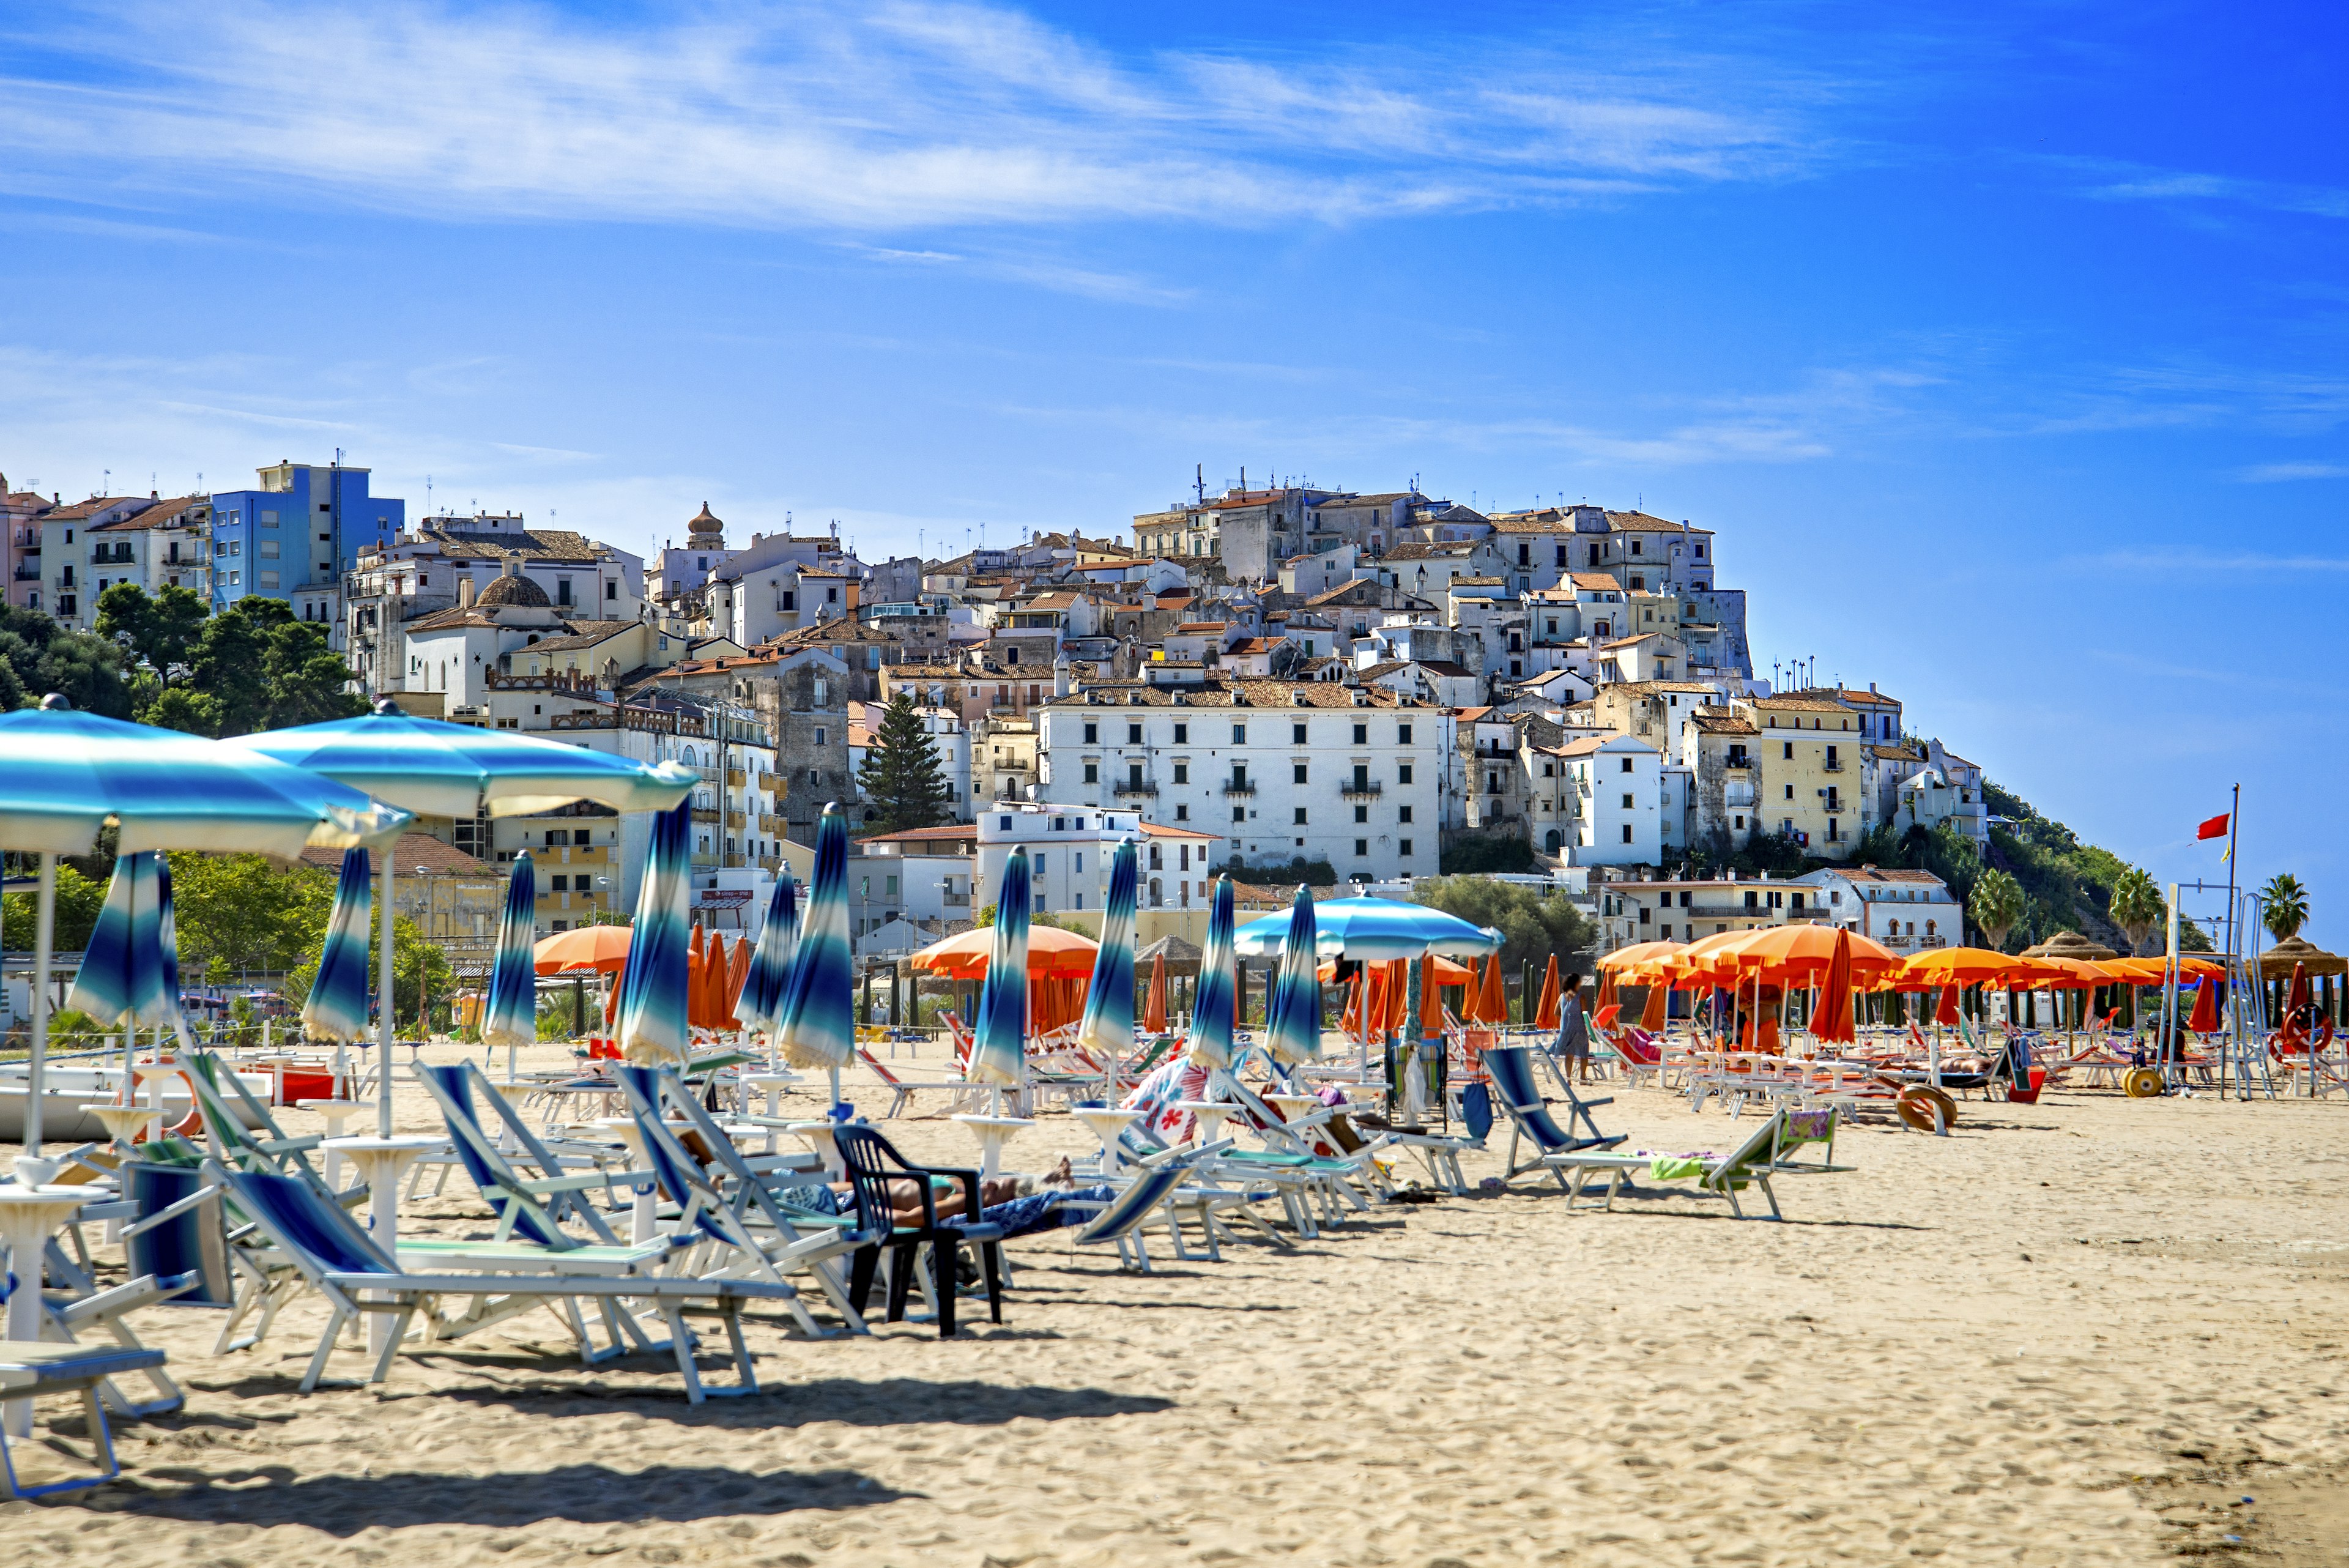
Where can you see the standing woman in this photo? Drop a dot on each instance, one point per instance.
(1573, 1034)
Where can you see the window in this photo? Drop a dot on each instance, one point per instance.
(1402, 735)
(1182, 813)
(1133, 734)
(269, 549)
(1092, 733)
(268, 579)
(1239, 734)
(1626, 765)
(1741, 823)
(561, 884)
(1627, 799)
(1299, 773)
(1297, 734)
(1643, 914)
(1790, 792)
(1788, 755)
(1182, 734)
(1403, 813)
(1664, 931)
(561, 590)
(1402, 847)
(1182, 772)
(1627, 833)
(612, 589)
(791, 600)
(1753, 898)
(1402, 773)
(1361, 846)
(819, 734)
(1831, 830)
(1239, 813)
(1798, 902)
(1299, 818)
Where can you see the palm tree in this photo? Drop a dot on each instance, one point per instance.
(1997, 905)
(2137, 906)
(2286, 903)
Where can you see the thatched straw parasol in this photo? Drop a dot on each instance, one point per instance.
(2277, 963)
(2071, 945)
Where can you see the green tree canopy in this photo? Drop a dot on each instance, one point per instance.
(2137, 906)
(901, 776)
(161, 630)
(267, 670)
(1531, 928)
(87, 670)
(415, 958)
(246, 913)
(79, 900)
(2285, 906)
(1997, 905)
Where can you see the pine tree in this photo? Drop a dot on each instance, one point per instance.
(901, 777)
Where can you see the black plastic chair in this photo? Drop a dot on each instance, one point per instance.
(873, 1165)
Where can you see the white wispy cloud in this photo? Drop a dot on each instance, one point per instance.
(2108, 181)
(831, 116)
(2283, 472)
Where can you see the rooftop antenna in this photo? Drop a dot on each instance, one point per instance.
(1199, 480)
(107, 483)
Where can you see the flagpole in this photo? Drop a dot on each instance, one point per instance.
(2234, 954)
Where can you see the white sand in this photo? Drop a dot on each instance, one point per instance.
(2071, 1334)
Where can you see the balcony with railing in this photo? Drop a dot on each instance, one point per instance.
(1360, 789)
(1134, 786)
(1239, 786)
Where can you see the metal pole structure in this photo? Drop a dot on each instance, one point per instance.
(2169, 1036)
(45, 925)
(2234, 946)
(385, 995)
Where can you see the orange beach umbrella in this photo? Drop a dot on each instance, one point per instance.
(1545, 1014)
(1154, 1009)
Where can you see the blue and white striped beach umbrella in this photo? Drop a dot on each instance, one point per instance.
(1293, 1018)
(336, 1007)
(1374, 931)
(167, 937)
(510, 1011)
(760, 1007)
(653, 1029)
(123, 978)
(1211, 1011)
(998, 1044)
(815, 1026)
(1107, 1027)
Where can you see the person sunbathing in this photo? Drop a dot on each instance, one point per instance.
(1021, 1203)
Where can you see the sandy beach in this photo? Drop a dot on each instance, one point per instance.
(2075, 1332)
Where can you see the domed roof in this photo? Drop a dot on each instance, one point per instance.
(514, 590)
(704, 522)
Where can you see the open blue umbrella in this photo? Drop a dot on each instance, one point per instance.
(510, 1011)
(336, 1007)
(1210, 1010)
(998, 1044)
(457, 770)
(1372, 931)
(761, 1005)
(1107, 1027)
(653, 1029)
(67, 774)
(815, 1026)
(1293, 1018)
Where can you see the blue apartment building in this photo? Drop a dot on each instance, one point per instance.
(295, 536)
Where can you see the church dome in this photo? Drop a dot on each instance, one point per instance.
(514, 590)
(705, 528)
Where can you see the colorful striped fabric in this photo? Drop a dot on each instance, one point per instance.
(1210, 1010)
(510, 1011)
(1372, 931)
(1293, 1018)
(336, 1007)
(771, 960)
(1108, 1024)
(67, 774)
(123, 978)
(998, 1044)
(652, 1026)
(815, 1026)
(449, 770)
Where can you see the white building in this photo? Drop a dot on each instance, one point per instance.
(1904, 910)
(1619, 783)
(165, 544)
(1069, 850)
(1279, 770)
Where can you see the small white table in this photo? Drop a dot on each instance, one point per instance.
(1293, 1105)
(993, 1132)
(382, 1161)
(1210, 1116)
(513, 1094)
(818, 1137)
(337, 1113)
(29, 1216)
(152, 1074)
(1107, 1122)
(643, 1207)
(774, 1083)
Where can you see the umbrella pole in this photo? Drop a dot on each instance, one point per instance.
(384, 1021)
(44, 951)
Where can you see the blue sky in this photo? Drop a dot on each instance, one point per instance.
(2004, 350)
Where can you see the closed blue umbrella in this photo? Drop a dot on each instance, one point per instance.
(122, 978)
(1211, 1009)
(336, 1007)
(815, 1026)
(653, 1029)
(457, 770)
(1293, 1018)
(1372, 931)
(761, 1005)
(68, 775)
(510, 1011)
(1108, 1024)
(999, 1045)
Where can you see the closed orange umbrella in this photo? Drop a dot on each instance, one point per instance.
(1153, 1010)
(1653, 1017)
(717, 1009)
(1493, 1006)
(1948, 1015)
(738, 972)
(1430, 996)
(2206, 1002)
(1833, 1022)
(1398, 995)
(1545, 1015)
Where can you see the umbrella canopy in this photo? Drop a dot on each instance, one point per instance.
(1108, 1022)
(122, 978)
(1212, 1009)
(603, 948)
(771, 964)
(714, 984)
(336, 1007)
(1051, 951)
(1372, 929)
(999, 1049)
(2299, 952)
(1833, 1022)
(1553, 1000)
(696, 996)
(2156, 970)
(1960, 966)
(652, 986)
(1800, 953)
(1153, 1013)
(510, 1011)
(1638, 953)
(1292, 1024)
(817, 1026)
(452, 770)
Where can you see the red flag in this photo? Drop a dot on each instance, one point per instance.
(2216, 827)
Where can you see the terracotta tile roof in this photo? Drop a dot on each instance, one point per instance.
(549, 545)
(74, 511)
(165, 514)
(412, 850)
(1596, 580)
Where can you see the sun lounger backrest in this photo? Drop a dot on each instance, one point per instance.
(452, 1089)
(1476, 1109)
(309, 1225)
(1513, 1078)
(1760, 1149)
(1127, 1211)
(191, 1242)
